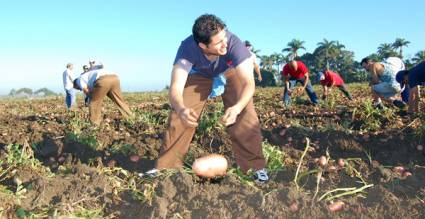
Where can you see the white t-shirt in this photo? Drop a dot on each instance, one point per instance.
(89, 78)
(68, 78)
(253, 56)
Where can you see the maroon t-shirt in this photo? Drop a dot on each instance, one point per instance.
(332, 78)
(298, 74)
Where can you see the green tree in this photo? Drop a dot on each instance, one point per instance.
(419, 57)
(266, 62)
(45, 91)
(293, 48)
(12, 92)
(386, 50)
(399, 43)
(25, 90)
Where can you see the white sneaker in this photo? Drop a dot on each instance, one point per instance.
(150, 173)
(261, 176)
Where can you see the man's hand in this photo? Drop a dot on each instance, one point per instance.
(299, 90)
(188, 117)
(260, 78)
(230, 115)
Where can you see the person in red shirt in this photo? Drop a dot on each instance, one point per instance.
(296, 72)
(328, 79)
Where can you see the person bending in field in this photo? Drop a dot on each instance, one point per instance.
(329, 79)
(210, 52)
(414, 78)
(100, 83)
(384, 84)
(87, 97)
(296, 72)
(403, 86)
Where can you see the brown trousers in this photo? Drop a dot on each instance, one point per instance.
(245, 133)
(107, 85)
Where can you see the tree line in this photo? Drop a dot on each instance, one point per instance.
(29, 92)
(331, 54)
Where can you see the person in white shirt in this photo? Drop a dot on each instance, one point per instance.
(68, 78)
(100, 83)
(254, 59)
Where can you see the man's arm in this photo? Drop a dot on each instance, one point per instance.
(257, 70)
(86, 90)
(414, 99)
(325, 90)
(178, 81)
(307, 77)
(246, 78)
(374, 74)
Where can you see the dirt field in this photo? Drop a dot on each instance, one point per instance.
(54, 164)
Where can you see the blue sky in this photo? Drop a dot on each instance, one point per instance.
(139, 39)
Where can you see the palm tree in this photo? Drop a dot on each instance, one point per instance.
(385, 50)
(419, 56)
(329, 50)
(293, 47)
(266, 62)
(399, 44)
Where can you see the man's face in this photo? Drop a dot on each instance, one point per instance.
(217, 46)
(366, 65)
(406, 79)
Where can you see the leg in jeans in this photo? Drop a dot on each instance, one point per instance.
(286, 96)
(310, 92)
(116, 96)
(70, 98)
(344, 90)
(245, 133)
(178, 137)
(100, 89)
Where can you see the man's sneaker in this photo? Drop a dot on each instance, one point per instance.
(261, 176)
(149, 174)
(400, 104)
(378, 105)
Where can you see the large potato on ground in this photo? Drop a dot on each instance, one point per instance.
(210, 166)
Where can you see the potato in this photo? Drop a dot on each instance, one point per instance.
(341, 162)
(323, 161)
(210, 166)
(336, 206)
(134, 158)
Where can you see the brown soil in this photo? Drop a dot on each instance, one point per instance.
(80, 176)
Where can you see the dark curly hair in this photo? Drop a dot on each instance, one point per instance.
(206, 26)
(365, 60)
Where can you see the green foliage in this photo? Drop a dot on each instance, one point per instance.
(125, 149)
(371, 118)
(88, 138)
(210, 119)
(17, 154)
(151, 118)
(45, 92)
(419, 57)
(25, 90)
(274, 157)
(269, 78)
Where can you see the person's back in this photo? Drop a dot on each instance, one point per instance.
(298, 73)
(68, 77)
(332, 78)
(392, 66)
